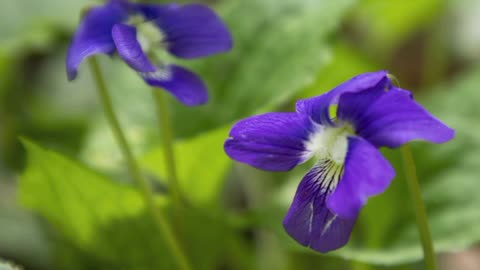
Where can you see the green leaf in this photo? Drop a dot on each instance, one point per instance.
(73, 197)
(386, 232)
(103, 223)
(7, 266)
(201, 165)
(278, 51)
(346, 63)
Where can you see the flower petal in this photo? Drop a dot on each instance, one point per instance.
(272, 141)
(128, 47)
(318, 108)
(309, 221)
(192, 30)
(185, 85)
(391, 118)
(182, 83)
(367, 173)
(94, 36)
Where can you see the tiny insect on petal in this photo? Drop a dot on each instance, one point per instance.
(371, 113)
(318, 108)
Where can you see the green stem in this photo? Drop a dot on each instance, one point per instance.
(146, 190)
(168, 151)
(354, 265)
(420, 210)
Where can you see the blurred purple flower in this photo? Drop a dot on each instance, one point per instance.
(135, 31)
(371, 113)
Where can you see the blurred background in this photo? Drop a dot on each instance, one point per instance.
(66, 201)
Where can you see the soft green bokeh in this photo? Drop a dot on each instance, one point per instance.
(67, 201)
(202, 166)
(7, 266)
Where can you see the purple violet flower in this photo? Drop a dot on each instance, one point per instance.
(137, 31)
(371, 113)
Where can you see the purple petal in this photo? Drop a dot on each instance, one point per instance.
(272, 141)
(391, 118)
(192, 30)
(185, 85)
(318, 108)
(94, 36)
(309, 221)
(128, 47)
(367, 173)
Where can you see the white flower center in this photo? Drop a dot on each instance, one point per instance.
(330, 143)
(164, 73)
(148, 33)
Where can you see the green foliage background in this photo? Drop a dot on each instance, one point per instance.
(66, 201)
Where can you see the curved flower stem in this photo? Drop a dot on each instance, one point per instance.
(166, 129)
(146, 191)
(355, 265)
(420, 210)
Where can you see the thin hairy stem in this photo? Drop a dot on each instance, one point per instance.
(145, 188)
